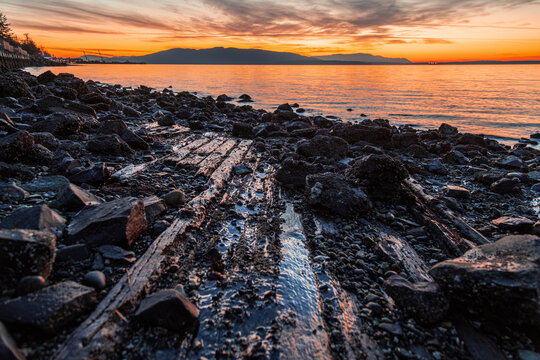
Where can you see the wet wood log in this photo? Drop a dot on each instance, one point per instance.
(212, 161)
(438, 207)
(98, 334)
(200, 154)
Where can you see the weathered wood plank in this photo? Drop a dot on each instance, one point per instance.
(97, 335)
(212, 161)
(200, 154)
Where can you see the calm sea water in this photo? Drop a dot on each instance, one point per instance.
(498, 100)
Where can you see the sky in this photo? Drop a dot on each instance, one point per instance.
(419, 30)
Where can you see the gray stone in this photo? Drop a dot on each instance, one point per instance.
(169, 309)
(95, 279)
(25, 252)
(30, 284)
(8, 347)
(14, 147)
(12, 193)
(456, 192)
(435, 166)
(116, 222)
(49, 309)
(506, 186)
(510, 162)
(109, 145)
(52, 183)
(328, 146)
(93, 175)
(175, 198)
(447, 130)
(333, 193)
(72, 254)
(39, 217)
(424, 301)
(154, 208)
(536, 188)
(59, 124)
(117, 253)
(73, 198)
(497, 281)
(519, 224)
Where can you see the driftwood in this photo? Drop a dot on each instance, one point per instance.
(212, 161)
(200, 154)
(438, 207)
(98, 334)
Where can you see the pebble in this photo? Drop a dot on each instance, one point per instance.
(175, 198)
(29, 284)
(95, 279)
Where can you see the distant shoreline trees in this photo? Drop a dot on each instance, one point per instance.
(26, 43)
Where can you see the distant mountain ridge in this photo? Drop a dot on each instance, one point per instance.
(235, 56)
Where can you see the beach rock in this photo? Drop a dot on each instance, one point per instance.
(506, 186)
(53, 183)
(436, 166)
(381, 174)
(404, 139)
(294, 172)
(64, 92)
(46, 77)
(119, 221)
(93, 175)
(12, 193)
(25, 252)
(50, 104)
(70, 81)
(131, 112)
(109, 145)
(169, 309)
(497, 281)
(38, 155)
(29, 284)
(471, 139)
(93, 98)
(455, 157)
(39, 217)
(328, 146)
(8, 347)
(536, 188)
(447, 130)
(166, 120)
(46, 139)
(333, 193)
(73, 198)
(175, 198)
(72, 254)
(6, 124)
(134, 141)
(243, 130)
(15, 171)
(224, 97)
(13, 147)
(285, 106)
(154, 208)
(245, 98)
(511, 224)
(59, 124)
(95, 279)
(424, 301)
(488, 177)
(377, 135)
(14, 86)
(322, 122)
(510, 162)
(456, 192)
(50, 309)
(113, 252)
(115, 126)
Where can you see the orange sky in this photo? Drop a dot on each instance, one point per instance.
(420, 30)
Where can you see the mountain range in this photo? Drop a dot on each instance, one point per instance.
(222, 56)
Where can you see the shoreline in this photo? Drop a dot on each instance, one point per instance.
(152, 205)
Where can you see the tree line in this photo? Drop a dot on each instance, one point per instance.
(26, 42)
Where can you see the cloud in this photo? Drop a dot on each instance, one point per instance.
(437, 41)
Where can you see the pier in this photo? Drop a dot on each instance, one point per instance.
(12, 57)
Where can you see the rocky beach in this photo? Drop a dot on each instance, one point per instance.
(140, 223)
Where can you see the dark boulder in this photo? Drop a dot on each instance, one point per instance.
(404, 139)
(285, 106)
(97, 174)
(169, 309)
(64, 92)
(70, 81)
(329, 146)
(50, 104)
(12, 193)
(38, 155)
(46, 139)
(52, 183)
(447, 130)
(94, 98)
(245, 98)
(109, 145)
(13, 147)
(39, 217)
(243, 130)
(50, 309)
(154, 207)
(506, 186)
(377, 135)
(294, 172)
(518, 224)
(497, 281)
(59, 124)
(73, 198)
(119, 221)
(116, 253)
(471, 139)
(423, 301)
(25, 252)
(14, 86)
(510, 162)
(72, 254)
(381, 174)
(46, 77)
(224, 97)
(114, 126)
(322, 122)
(16, 171)
(332, 193)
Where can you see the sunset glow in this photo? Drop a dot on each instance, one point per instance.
(431, 30)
